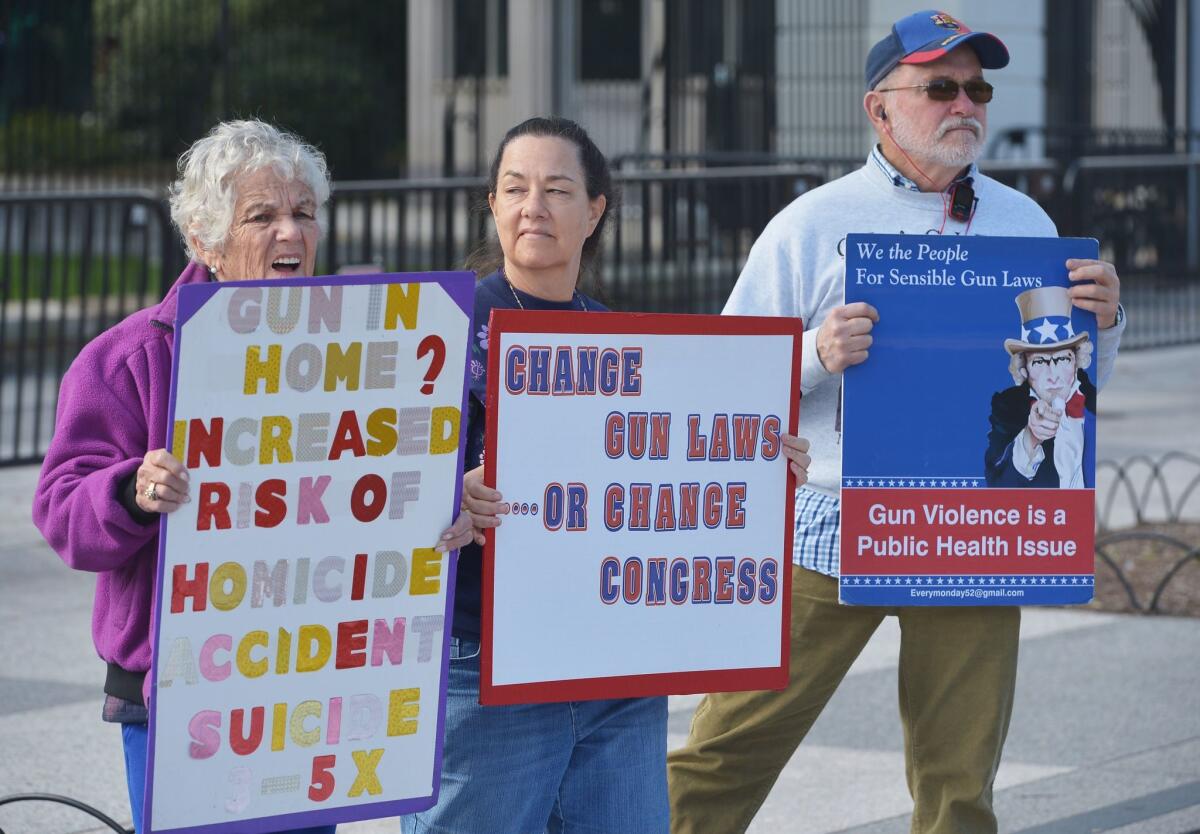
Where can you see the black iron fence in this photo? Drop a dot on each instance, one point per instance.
(1145, 211)
(413, 225)
(682, 236)
(676, 244)
(1065, 143)
(108, 94)
(71, 266)
(1146, 514)
(100, 92)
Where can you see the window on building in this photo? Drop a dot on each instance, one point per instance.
(610, 37)
(480, 38)
(704, 43)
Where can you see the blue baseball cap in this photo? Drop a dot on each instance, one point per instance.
(926, 36)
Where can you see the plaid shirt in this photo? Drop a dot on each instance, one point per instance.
(901, 181)
(815, 544)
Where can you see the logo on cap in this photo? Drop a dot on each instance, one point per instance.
(945, 21)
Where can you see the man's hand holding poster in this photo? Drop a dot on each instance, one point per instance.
(302, 610)
(648, 547)
(969, 434)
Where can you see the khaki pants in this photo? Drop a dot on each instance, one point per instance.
(958, 668)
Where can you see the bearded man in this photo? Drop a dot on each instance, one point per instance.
(927, 101)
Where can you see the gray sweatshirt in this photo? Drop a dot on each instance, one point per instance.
(797, 268)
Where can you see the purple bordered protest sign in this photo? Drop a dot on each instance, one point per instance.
(300, 649)
(969, 434)
(648, 551)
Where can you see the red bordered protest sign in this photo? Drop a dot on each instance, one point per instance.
(648, 550)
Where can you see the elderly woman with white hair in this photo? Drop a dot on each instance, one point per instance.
(247, 205)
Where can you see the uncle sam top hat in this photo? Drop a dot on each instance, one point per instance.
(1045, 321)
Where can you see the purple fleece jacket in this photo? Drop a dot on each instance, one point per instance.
(112, 409)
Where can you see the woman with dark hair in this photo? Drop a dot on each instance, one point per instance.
(564, 767)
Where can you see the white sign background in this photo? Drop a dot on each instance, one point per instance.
(549, 623)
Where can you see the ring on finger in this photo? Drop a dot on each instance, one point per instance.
(151, 492)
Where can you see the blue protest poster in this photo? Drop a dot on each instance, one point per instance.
(969, 434)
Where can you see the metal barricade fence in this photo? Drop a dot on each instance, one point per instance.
(408, 225)
(71, 266)
(74, 265)
(675, 244)
(682, 237)
(1145, 211)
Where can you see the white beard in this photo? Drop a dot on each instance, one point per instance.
(958, 151)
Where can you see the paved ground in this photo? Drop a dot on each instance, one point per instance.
(1147, 413)
(1105, 736)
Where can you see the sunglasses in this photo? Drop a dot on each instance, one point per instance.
(946, 89)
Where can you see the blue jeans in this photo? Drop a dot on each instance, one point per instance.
(567, 768)
(135, 738)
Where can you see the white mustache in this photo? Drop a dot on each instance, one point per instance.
(955, 123)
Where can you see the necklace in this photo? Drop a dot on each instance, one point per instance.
(575, 296)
